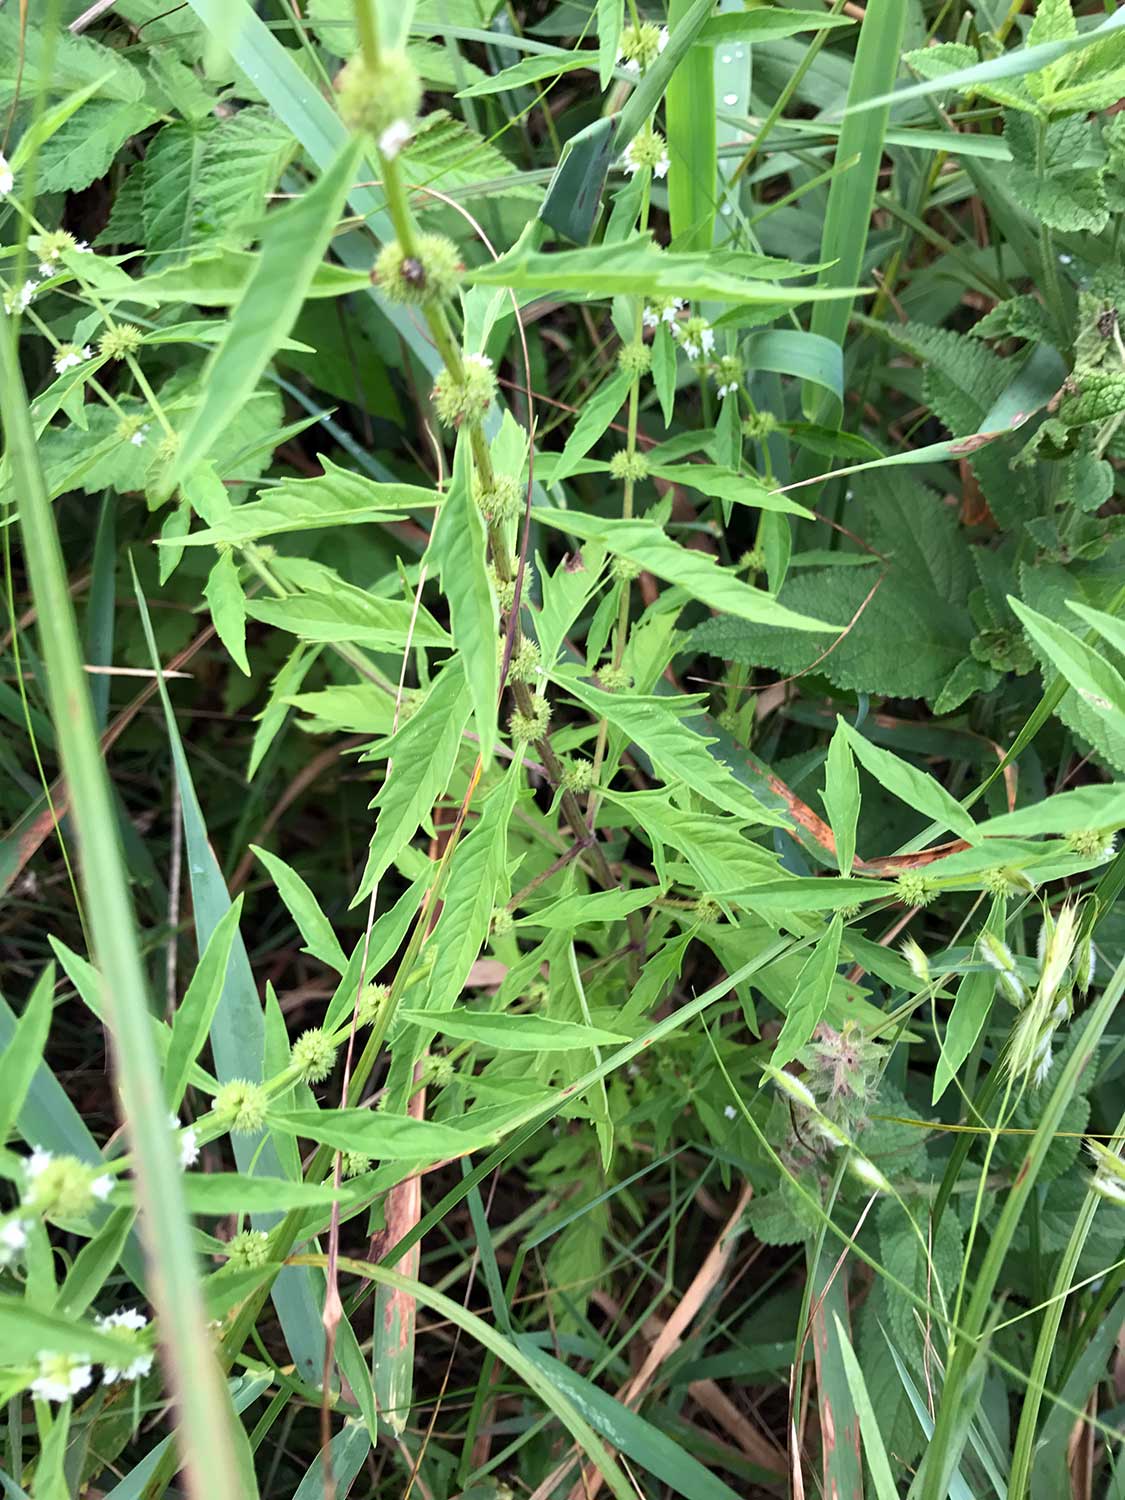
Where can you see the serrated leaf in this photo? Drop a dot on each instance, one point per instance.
(915, 788)
(83, 149)
(699, 575)
(293, 246)
(513, 1033)
(446, 154)
(598, 411)
(350, 615)
(459, 551)
(721, 483)
(722, 858)
(227, 604)
(970, 1009)
(841, 799)
(337, 498)
(1089, 674)
(809, 999)
(217, 1193)
(679, 754)
(470, 894)
(423, 753)
(191, 1023)
(314, 926)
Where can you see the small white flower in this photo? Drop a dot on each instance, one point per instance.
(68, 356)
(82, 247)
(675, 305)
(102, 1186)
(47, 269)
(730, 1112)
(138, 438)
(13, 1238)
(728, 390)
(189, 1149)
(650, 318)
(630, 64)
(37, 1163)
(662, 40)
(633, 165)
(134, 1321)
(481, 360)
(394, 138)
(17, 301)
(61, 1376)
(7, 177)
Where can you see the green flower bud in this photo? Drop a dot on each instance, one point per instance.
(430, 275)
(502, 499)
(371, 1003)
(614, 679)
(525, 663)
(914, 889)
(708, 910)
(533, 725)
(624, 569)
(243, 1105)
(626, 465)
(634, 359)
(502, 921)
(314, 1055)
(249, 1251)
(578, 776)
(759, 425)
(354, 1164)
(115, 343)
(380, 100)
(468, 399)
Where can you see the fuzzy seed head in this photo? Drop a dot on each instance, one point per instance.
(759, 425)
(708, 910)
(626, 465)
(430, 275)
(503, 499)
(440, 1070)
(502, 921)
(914, 889)
(532, 725)
(468, 399)
(634, 359)
(249, 1251)
(116, 343)
(371, 1003)
(376, 98)
(314, 1054)
(624, 569)
(525, 665)
(614, 679)
(354, 1164)
(1092, 843)
(242, 1105)
(641, 45)
(1057, 942)
(728, 375)
(578, 776)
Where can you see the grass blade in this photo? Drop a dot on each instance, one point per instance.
(204, 1432)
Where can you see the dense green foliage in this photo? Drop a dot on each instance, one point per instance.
(563, 742)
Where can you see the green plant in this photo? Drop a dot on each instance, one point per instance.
(626, 588)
